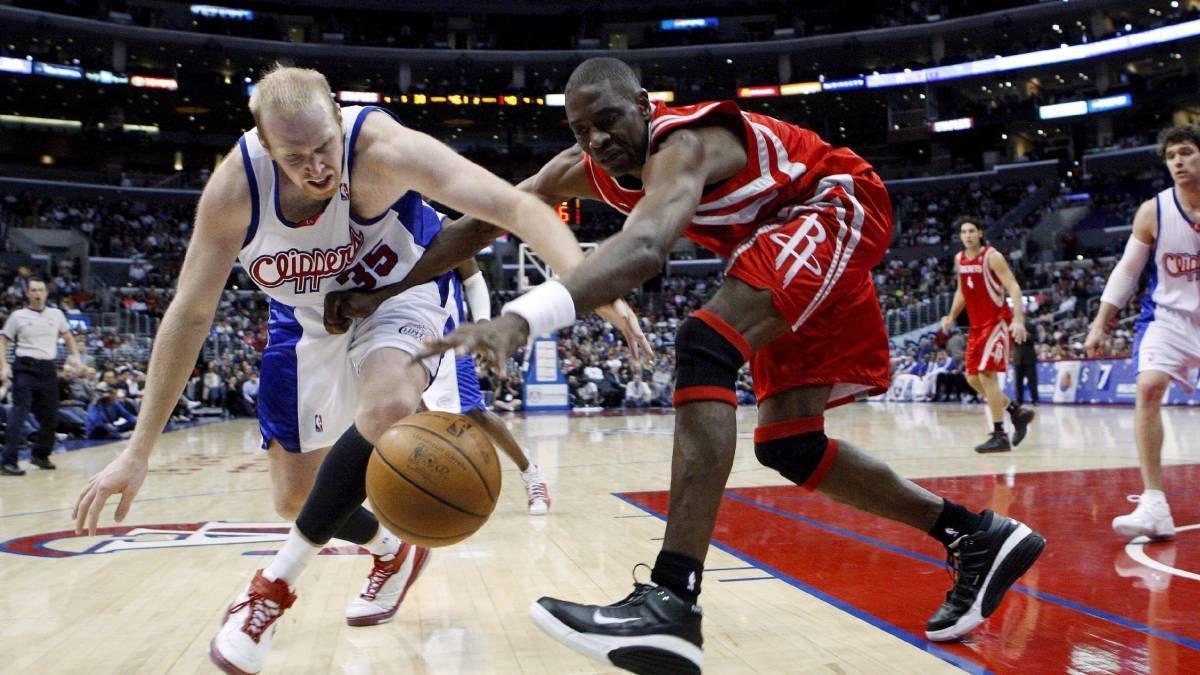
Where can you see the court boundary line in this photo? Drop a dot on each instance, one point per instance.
(961, 662)
(1033, 593)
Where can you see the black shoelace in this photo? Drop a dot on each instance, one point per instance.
(967, 569)
(639, 589)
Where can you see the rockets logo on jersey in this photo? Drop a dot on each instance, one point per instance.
(1182, 265)
(811, 234)
(304, 268)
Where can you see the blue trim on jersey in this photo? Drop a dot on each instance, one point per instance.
(358, 122)
(249, 167)
(466, 380)
(277, 391)
(443, 284)
(458, 292)
(1187, 219)
(469, 396)
(419, 218)
(1148, 304)
(279, 211)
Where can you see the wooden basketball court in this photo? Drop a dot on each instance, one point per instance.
(794, 583)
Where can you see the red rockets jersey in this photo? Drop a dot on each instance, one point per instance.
(785, 164)
(985, 295)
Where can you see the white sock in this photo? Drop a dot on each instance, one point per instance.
(384, 544)
(530, 471)
(291, 560)
(1154, 496)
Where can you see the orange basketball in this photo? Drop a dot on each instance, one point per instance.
(433, 479)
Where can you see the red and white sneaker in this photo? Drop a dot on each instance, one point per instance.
(244, 640)
(386, 586)
(535, 489)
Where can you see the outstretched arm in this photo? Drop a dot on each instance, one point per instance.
(560, 179)
(397, 154)
(222, 219)
(1123, 281)
(674, 178)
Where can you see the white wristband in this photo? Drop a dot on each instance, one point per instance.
(547, 308)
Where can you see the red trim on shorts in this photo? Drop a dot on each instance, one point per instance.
(814, 481)
(726, 331)
(777, 430)
(693, 394)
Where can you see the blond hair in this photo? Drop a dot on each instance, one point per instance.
(287, 90)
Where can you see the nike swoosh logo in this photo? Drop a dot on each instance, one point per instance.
(608, 620)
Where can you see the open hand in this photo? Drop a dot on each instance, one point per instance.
(493, 341)
(622, 316)
(123, 475)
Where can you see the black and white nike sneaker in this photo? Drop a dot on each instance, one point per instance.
(987, 563)
(652, 630)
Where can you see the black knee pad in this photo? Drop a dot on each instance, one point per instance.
(803, 459)
(706, 361)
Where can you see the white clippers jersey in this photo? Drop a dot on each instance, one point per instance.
(296, 264)
(1175, 276)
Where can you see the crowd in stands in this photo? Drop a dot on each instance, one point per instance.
(924, 218)
(117, 227)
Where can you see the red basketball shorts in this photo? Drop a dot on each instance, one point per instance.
(988, 347)
(816, 259)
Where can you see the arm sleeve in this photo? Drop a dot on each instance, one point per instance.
(476, 291)
(1124, 278)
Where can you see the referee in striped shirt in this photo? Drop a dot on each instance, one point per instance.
(35, 331)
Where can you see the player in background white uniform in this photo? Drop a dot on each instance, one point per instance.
(455, 389)
(1167, 230)
(302, 232)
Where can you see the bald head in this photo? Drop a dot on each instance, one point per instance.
(602, 69)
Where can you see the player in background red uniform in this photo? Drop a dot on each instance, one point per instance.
(802, 223)
(983, 280)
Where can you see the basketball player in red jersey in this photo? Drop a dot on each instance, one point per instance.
(983, 280)
(802, 224)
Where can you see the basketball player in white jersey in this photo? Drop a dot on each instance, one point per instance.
(1166, 233)
(455, 389)
(316, 199)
